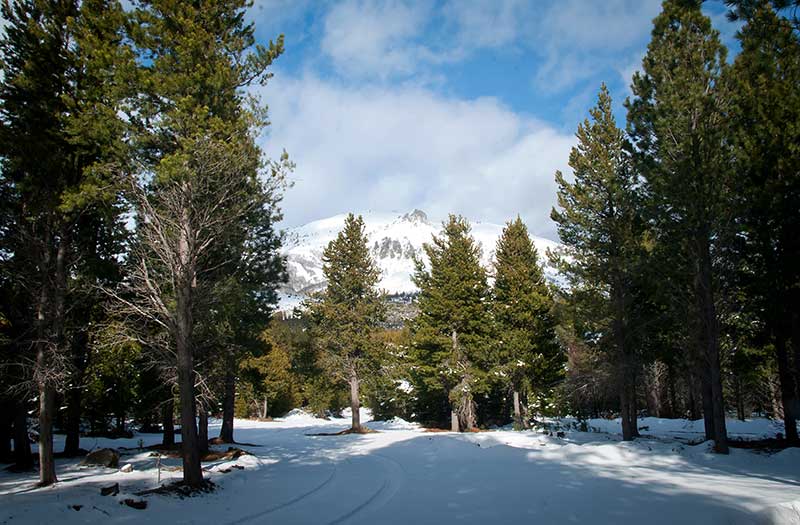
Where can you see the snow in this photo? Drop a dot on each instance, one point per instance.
(402, 474)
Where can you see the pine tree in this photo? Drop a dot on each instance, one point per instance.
(598, 222)
(201, 178)
(64, 67)
(676, 122)
(765, 91)
(526, 356)
(349, 311)
(451, 329)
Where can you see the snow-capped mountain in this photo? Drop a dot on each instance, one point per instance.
(394, 239)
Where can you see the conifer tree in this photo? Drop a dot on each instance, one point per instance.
(598, 223)
(349, 311)
(201, 178)
(526, 355)
(765, 132)
(451, 329)
(64, 67)
(676, 122)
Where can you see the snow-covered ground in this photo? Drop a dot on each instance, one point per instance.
(404, 475)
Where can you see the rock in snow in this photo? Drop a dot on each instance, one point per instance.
(104, 457)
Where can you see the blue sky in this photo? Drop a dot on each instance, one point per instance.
(449, 106)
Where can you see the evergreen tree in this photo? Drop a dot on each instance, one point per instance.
(598, 222)
(64, 67)
(765, 123)
(349, 311)
(676, 121)
(200, 180)
(527, 355)
(451, 329)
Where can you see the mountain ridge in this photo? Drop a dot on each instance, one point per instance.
(394, 238)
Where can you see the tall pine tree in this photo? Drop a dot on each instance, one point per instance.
(349, 311)
(598, 222)
(451, 329)
(765, 132)
(200, 179)
(61, 144)
(676, 122)
(526, 355)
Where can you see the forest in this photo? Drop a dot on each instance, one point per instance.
(140, 248)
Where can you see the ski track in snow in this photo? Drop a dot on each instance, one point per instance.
(289, 503)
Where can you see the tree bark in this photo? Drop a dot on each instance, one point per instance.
(228, 405)
(192, 470)
(184, 325)
(710, 339)
(739, 399)
(47, 465)
(517, 412)
(625, 406)
(355, 404)
(454, 427)
(168, 424)
(627, 403)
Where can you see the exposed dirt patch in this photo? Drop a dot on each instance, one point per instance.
(362, 430)
(231, 453)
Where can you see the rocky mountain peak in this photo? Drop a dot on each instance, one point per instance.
(416, 216)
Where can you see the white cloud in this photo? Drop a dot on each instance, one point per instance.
(397, 148)
(485, 23)
(579, 39)
(368, 37)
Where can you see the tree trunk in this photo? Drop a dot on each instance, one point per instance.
(202, 430)
(168, 424)
(739, 399)
(710, 339)
(264, 408)
(624, 360)
(192, 470)
(673, 404)
(72, 444)
(625, 406)
(355, 404)
(708, 404)
(468, 412)
(228, 405)
(787, 388)
(184, 325)
(517, 412)
(47, 465)
(23, 460)
(454, 427)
